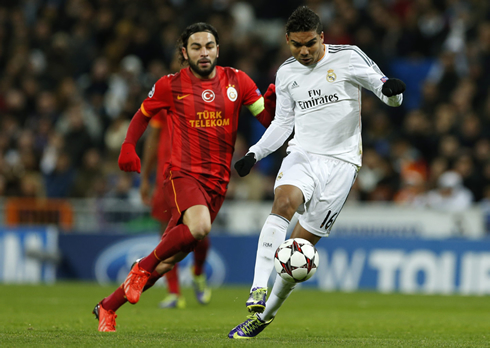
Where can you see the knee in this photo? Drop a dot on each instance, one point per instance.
(201, 229)
(284, 206)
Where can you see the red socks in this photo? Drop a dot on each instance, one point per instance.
(114, 300)
(173, 280)
(200, 253)
(174, 240)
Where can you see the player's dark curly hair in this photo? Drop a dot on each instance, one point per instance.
(302, 20)
(192, 29)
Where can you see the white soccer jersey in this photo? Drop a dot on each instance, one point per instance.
(323, 104)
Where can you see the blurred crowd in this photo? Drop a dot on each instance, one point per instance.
(73, 73)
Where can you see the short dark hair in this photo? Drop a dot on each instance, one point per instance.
(303, 19)
(192, 29)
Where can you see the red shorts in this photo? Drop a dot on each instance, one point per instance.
(183, 191)
(159, 206)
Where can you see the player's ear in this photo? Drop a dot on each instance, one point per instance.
(322, 36)
(217, 51)
(184, 53)
(287, 38)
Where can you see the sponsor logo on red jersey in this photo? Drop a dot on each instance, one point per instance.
(208, 96)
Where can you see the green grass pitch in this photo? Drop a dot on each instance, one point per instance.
(60, 316)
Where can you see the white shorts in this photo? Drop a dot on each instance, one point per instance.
(325, 183)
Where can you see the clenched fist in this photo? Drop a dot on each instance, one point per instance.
(245, 164)
(128, 159)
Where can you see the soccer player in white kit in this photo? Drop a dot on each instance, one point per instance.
(319, 95)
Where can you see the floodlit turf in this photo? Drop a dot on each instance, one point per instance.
(60, 316)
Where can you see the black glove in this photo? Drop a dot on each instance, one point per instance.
(393, 87)
(245, 164)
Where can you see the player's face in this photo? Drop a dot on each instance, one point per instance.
(307, 47)
(202, 54)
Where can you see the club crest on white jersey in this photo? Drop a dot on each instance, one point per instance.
(331, 77)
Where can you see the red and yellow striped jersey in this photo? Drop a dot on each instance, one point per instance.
(202, 121)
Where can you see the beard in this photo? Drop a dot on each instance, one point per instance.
(203, 72)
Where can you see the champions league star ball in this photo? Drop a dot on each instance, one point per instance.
(296, 260)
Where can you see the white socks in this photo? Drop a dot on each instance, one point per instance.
(280, 292)
(272, 235)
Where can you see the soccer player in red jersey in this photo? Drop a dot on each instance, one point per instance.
(202, 104)
(156, 153)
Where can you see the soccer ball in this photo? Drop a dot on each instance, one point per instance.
(296, 260)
